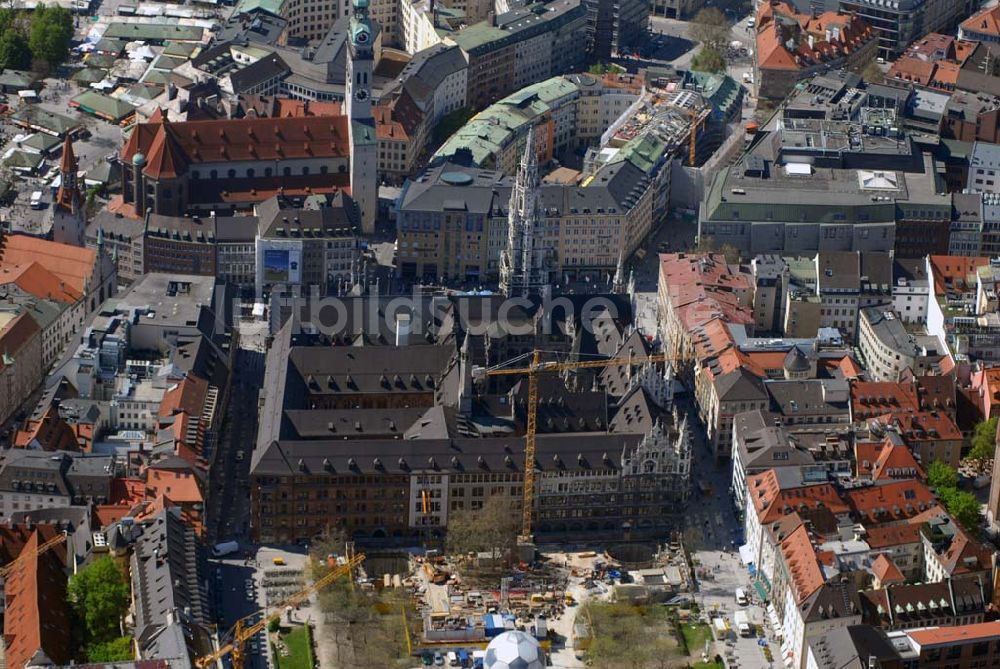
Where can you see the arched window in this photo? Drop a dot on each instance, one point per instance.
(288, 171)
(214, 174)
(251, 173)
(305, 170)
(232, 174)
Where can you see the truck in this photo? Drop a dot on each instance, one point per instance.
(743, 623)
(225, 548)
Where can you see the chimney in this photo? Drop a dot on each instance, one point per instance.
(402, 329)
(811, 42)
(492, 18)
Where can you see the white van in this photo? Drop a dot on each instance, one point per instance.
(36, 200)
(741, 597)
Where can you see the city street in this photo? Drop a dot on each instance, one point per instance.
(713, 535)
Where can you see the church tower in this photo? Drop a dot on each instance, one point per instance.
(523, 262)
(69, 211)
(361, 124)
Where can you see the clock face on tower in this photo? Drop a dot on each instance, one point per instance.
(361, 95)
(361, 36)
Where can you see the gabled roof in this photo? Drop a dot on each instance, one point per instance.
(72, 264)
(986, 22)
(959, 634)
(771, 501)
(165, 159)
(740, 385)
(892, 501)
(213, 141)
(886, 571)
(36, 279)
(896, 461)
(36, 615)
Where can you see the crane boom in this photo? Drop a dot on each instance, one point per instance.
(43, 548)
(242, 633)
(532, 371)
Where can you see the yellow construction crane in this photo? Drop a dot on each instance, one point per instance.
(532, 371)
(695, 122)
(243, 632)
(25, 554)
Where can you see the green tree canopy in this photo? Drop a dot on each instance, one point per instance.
(942, 476)
(51, 34)
(116, 650)
(99, 594)
(964, 508)
(710, 27)
(708, 60)
(493, 528)
(984, 442)
(14, 51)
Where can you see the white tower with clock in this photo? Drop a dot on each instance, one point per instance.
(364, 144)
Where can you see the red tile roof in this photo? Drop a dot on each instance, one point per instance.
(771, 502)
(71, 264)
(16, 334)
(887, 536)
(886, 571)
(912, 69)
(986, 22)
(36, 615)
(166, 160)
(788, 40)
(36, 279)
(802, 562)
(703, 287)
(874, 398)
(955, 272)
(896, 462)
(187, 395)
(889, 502)
(177, 144)
(949, 636)
(50, 432)
(922, 426)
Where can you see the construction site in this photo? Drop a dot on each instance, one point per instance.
(455, 606)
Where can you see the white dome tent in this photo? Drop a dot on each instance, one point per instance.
(514, 650)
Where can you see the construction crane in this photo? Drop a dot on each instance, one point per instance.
(532, 371)
(692, 148)
(242, 632)
(25, 554)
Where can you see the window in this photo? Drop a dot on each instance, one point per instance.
(232, 174)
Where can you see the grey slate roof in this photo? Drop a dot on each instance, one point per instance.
(740, 384)
(169, 583)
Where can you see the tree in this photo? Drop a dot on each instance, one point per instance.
(116, 650)
(942, 476)
(99, 594)
(709, 59)
(51, 34)
(274, 625)
(492, 528)
(984, 442)
(872, 73)
(710, 27)
(14, 51)
(964, 508)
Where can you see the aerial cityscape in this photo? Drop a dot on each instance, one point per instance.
(500, 334)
